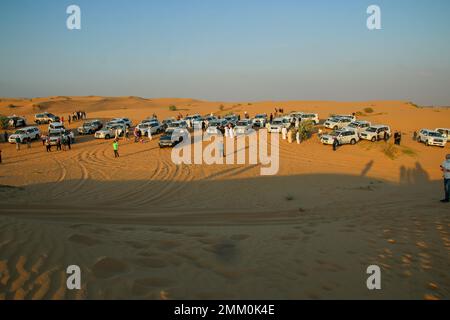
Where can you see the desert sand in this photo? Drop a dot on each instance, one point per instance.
(141, 227)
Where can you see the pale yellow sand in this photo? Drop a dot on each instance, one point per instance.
(142, 227)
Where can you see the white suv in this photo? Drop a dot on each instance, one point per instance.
(278, 124)
(243, 127)
(337, 122)
(260, 120)
(25, 134)
(445, 132)
(431, 138)
(45, 117)
(359, 125)
(153, 126)
(314, 117)
(56, 126)
(124, 121)
(344, 136)
(375, 133)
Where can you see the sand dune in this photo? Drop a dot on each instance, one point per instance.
(142, 227)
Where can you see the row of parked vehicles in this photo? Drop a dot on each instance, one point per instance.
(345, 128)
(348, 130)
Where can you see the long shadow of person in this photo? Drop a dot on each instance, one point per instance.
(367, 168)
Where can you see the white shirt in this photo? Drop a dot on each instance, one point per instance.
(446, 166)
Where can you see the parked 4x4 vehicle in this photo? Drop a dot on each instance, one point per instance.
(56, 126)
(314, 117)
(16, 122)
(172, 137)
(153, 126)
(53, 136)
(25, 134)
(359, 125)
(278, 124)
(337, 122)
(90, 127)
(344, 136)
(124, 121)
(445, 132)
(431, 138)
(110, 131)
(45, 117)
(243, 127)
(260, 120)
(375, 133)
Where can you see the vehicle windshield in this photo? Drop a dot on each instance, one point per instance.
(242, 123)
(277, 122)
(260, 116)
(54, 134)
(372, 129)
(335, 133)
(435, 134)
(353, 125)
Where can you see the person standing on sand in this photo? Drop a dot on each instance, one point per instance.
(58, 144)
(48, 146)
(116, 148)
(29, 143)
(445, 167)
(221, 148)
(150, 134)
(5, 135)
(283, 133)
(0, 155)
(17, 143)
(335, 143)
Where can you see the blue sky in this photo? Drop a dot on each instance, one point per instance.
(228, 49)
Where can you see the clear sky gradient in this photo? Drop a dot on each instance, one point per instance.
(228, 49)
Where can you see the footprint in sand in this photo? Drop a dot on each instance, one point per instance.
(107, 267)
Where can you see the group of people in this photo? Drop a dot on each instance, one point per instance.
(63, 143)
(76, 115)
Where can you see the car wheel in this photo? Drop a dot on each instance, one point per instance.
(427, 143)
(38, 122)
(335, 128)
(353, 141)
(373, 139)
(107, 136)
